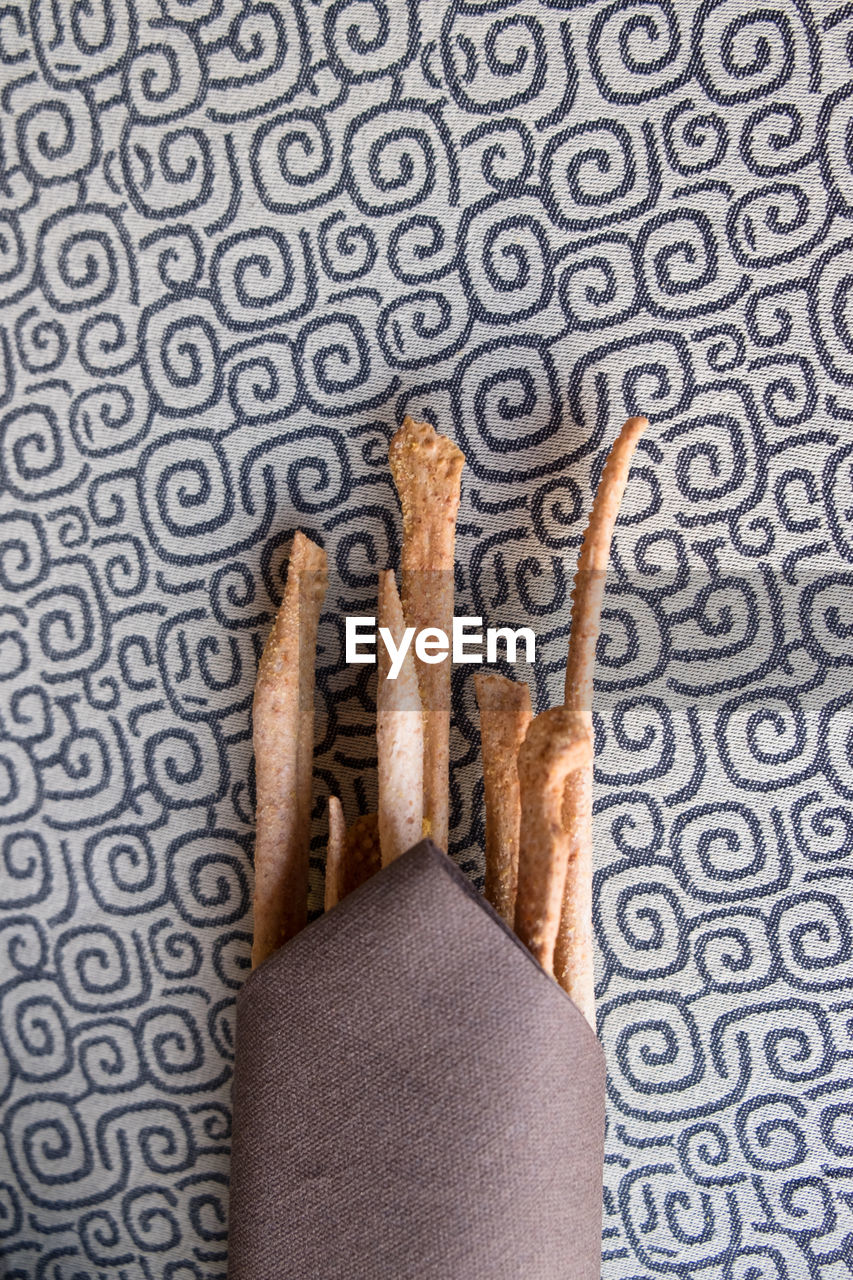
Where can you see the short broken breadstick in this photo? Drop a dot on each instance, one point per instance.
(427, 470)
(399, 734)
(361, 851)
(283, 731)
(334, 887)
(557, 743)
(505, 715)
(573, 963)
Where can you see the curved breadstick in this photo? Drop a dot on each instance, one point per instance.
(399, 735)
(557, 743)
(283, 732)
(427, 470)
(593, 559)
(573, 963)
(334, 887)
(505, 715)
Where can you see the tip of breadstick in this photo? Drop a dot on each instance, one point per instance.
(495, 691)
(336, 811)
(631, 431)
(635, 426)
(559, 738)
(334, 854)
(307, 578)
(390, 612)
(623, 447)
(419, 443)
(306, 555)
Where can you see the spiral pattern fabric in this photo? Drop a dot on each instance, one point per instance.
(239, 240)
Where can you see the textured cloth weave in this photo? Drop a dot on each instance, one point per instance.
(414, 1097)
(238, 242)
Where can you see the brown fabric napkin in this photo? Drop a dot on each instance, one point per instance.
(414, 1097)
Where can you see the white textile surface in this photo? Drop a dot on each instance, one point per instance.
(239, 240)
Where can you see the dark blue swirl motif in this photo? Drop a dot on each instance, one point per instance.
(237, 243)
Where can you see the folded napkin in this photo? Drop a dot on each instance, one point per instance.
(414, 1097)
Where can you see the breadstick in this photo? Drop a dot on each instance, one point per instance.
(399, 735)
(573, 965)
(283, 720)
(505, 715)
(427, 470)
(573, 954)
(361, 851)
(334, 887)
(593, 559)
(556, 744)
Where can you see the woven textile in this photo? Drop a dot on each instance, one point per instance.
(238, 242)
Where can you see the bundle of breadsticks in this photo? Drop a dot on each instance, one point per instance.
(537, 769)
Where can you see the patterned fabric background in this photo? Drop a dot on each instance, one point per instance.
(238, 241)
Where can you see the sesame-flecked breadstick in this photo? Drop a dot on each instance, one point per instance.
(505, 715)
(334, 885)
(361, 851)
(427, 470)
(573, 962)
(283, 730)
(399, 735)
(557, 743)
